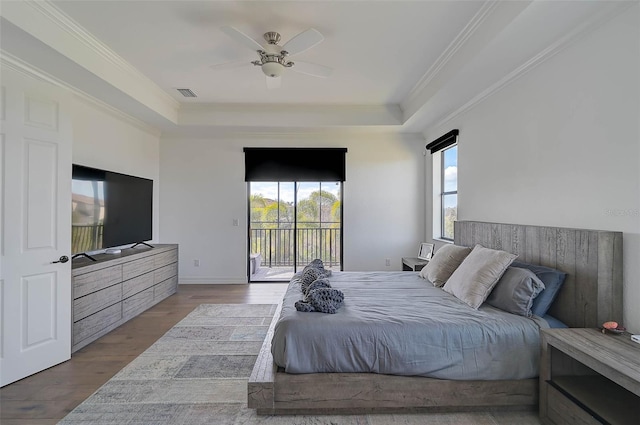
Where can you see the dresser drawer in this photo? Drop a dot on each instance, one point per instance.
(138, 303)
(164, 289)
(137, 268)
(96, 301)
(166, 272)
(165, 258)
(94, 281)
(96, 322)
(133, 286)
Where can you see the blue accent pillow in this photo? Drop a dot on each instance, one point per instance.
(552, 279)
(553, 322)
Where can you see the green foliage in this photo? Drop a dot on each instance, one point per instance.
(269, 214)
(319, 206)
(320, 209)
(450, 216)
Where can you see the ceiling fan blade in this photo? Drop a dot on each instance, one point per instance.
(303, 41)
(273, 82)
(231, 65)
(241, 38)
(312, 69)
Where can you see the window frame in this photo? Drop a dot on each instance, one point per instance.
(444, 193)
(295, 222)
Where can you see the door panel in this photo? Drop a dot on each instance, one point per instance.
(36, 222)
(38, 301)
(2, 149)
(271, 231)
(39, 188)
(41, 113)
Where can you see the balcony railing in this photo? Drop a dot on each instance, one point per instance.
(86, 238)
(277, 245)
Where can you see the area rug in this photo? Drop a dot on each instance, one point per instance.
(197, 374)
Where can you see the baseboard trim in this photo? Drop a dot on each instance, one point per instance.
(212, 280)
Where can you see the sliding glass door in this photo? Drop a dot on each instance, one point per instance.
(271, 230)
(292, 223)
(319, 223)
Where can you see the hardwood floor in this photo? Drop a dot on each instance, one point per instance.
(46, 397)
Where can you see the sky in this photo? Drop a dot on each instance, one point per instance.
(451, 175)
(451, 169)
(84, 187)
(270, 189)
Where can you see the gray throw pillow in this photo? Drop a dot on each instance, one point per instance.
(474, 279)
(515, 291)
(444, 262)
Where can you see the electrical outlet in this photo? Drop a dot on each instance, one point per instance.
(387, 262)
(196, 263)
(236, 222)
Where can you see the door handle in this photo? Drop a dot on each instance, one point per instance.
(62, 259)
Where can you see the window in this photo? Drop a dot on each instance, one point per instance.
(449, 191)
(444, 151)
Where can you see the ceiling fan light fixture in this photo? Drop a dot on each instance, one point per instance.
(272, 69)
(273, 58)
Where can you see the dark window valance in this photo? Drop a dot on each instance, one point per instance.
(295, 164)
(443, 142)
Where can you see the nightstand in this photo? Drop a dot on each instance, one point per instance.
(413, 264)
(587, 377)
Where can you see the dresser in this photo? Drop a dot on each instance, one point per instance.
(117, 287)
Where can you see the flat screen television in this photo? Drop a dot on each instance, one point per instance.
(109, 209)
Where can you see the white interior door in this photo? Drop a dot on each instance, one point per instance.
(35, 196)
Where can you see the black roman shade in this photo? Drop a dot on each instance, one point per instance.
(443, 142)
(295, 164)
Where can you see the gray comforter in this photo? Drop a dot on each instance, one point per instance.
(400, 324)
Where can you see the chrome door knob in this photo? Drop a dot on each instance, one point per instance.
(62, 259)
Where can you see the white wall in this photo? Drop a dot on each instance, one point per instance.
(102, 139)
(203, 191)
(561, 146)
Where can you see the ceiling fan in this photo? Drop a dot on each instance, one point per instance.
(273, 58)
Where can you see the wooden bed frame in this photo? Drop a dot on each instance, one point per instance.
(591, 295)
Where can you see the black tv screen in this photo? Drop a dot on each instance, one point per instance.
(109, 209)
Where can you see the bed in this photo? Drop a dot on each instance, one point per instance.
(592, 293)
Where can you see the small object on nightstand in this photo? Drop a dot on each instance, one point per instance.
(426, 251)
(612, 327)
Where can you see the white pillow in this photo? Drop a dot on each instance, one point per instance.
(474, 279)
(444, 262)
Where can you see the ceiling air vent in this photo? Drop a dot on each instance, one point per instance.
(187, 92)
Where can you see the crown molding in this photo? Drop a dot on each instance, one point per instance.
(588, 26)
(294, 116)
(353, 134)
(65, 23)
(474, 23)
(16, 64)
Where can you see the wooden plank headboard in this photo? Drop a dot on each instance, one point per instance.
(592, 259)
